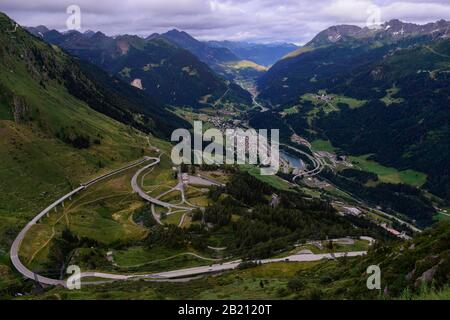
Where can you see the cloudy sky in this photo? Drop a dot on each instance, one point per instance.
(251, 20)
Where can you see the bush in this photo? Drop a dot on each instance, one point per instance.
(295, 285)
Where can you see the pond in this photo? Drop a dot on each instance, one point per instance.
(294, 161)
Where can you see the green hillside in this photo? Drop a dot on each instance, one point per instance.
(51, 138)
(417, 268)
(382, 93)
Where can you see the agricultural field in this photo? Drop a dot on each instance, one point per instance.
(274, 181)
(322, 145)
(387, 174)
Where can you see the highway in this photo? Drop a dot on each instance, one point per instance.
(318, 165)
(15, 247)
(188, 272)
(218, 267)
(145, 196)
(166, 275)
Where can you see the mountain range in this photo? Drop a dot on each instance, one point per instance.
(157, 65)
(137, 60)
(392, 89)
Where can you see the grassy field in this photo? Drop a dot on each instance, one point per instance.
(389, 99)
(161, 176)
(103, 213)
(358, 245)
(291, 110)
(140, 255)
(387, 174)
(274, 181)
(333, 102)
(173, 197)
(246, 64)
(443, 214)
(322, 145)
(174, 218)
(352, 103)
(142, 259)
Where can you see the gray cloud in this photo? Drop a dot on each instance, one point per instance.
(253, 20)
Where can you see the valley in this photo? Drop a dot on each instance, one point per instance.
(87, 179)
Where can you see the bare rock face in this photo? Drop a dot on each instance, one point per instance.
(377, 73)
(137, 83)
(19, 109)
(427, 276)
(410, 275)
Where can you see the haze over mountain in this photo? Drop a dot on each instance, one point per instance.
(209, 55)
(262, 54)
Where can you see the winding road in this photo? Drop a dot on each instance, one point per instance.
(14, 252)
(318, 165)
(173, 275)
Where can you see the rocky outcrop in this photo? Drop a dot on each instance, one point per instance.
(426, 277)
(19, 109)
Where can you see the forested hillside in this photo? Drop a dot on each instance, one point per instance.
(156, 65)
(386, 93)
(417, 268)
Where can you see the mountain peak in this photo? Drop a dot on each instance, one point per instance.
(334, 34)
(177, 35)
(153, 36)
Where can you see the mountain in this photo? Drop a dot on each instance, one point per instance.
(390, 31)
(222, 60)
(262, 54)
(38, 31)
(391, 94)
(338, 51)
(162, 69)
(208, 54)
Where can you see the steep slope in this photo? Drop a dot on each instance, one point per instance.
(408, 269)
(54, 128)
(57, 130)
(160, 68)
(405, 123)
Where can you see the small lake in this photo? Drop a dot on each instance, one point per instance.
(294, 161)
